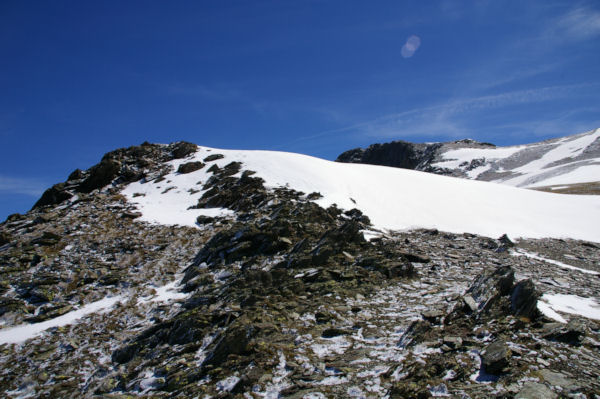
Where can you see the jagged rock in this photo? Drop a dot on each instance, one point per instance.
(334, 332)
(125, 354)
(399, 154)
(5, 238)
(488, 288)
(131, 215)
(415, 333)
(570, 333)
(412, 257)
(524, 299)
(314, 196)
(47, 238)
(54, 195)
(213, 157)
(183, 149)
(433, 316)
(77, 174)
(470, 303)
(496, 356)
(189, 167)
(10, 305)
(235, 341)
(100, 175)
(453, 342)
(505, 241)
(204, 219)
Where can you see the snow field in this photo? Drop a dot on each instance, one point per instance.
(395, 199)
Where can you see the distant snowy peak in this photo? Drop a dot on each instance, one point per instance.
(568, 160)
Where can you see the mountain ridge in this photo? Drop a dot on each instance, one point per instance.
(567, 160)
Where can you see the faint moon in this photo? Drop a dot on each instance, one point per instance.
(411, 45)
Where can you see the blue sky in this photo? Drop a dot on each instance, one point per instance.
(80, 78)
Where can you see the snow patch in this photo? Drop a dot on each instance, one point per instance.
(165, 293)
(24, 332)
(535, 256)
(573, 304)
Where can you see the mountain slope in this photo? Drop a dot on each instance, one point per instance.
(183, 271)
(392, 198)
(562, 161)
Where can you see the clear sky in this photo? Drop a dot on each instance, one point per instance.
(80, 78)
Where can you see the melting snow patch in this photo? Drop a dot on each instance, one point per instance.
(552, 261)
(228, 383)
(356, 392)
(337, 345)
(201, 353)
(165, 293)
(24, 332)
(278, 382)
(586, 307)
(549, 312)
(439, 390)
(147, 382)
(333, 380)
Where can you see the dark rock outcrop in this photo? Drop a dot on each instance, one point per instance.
(190, 167)
(123, 165)
(399, 154)
(407, 155)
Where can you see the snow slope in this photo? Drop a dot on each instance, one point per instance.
(393, 198)
(567, 160)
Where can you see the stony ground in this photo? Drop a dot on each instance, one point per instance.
(284, 299)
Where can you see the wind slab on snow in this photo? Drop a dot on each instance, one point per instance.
(395, 199)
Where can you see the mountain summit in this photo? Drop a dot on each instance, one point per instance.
(186, 271)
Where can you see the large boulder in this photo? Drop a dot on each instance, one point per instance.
(54, 195)
(495, 357)
(190, 167)
(100, 175)
(183, 149)
(488, 288)
(523, 300)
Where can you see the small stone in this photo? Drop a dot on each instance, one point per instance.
(334, 332)
(433, 316)
(131, 215)
(213, 157)
(453, 342)
(470, 303)
(285, 240)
